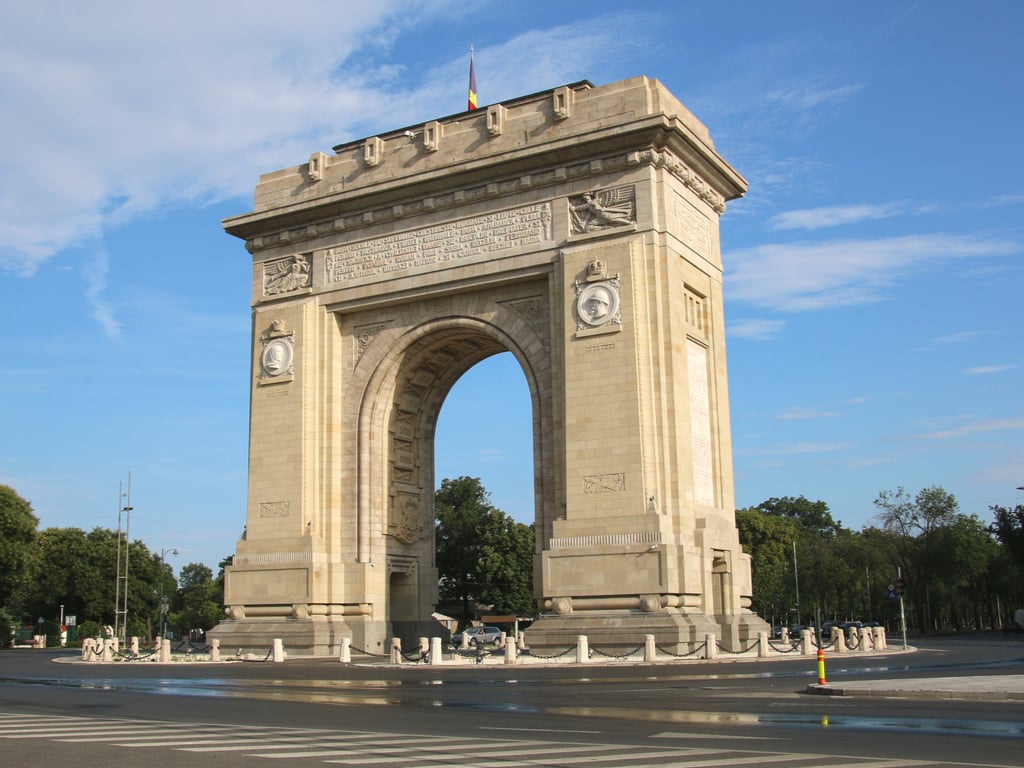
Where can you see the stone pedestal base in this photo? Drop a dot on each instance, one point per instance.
(300, 637)
(619, 632)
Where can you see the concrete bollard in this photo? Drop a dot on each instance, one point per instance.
(510, 653)
(108, 650)
(582, 649)
(133, 646)
(838, 640)
(424, 648)
(650, 650)
(436, 659)
(165, 649)
(345, 657)
(396, 650)
(710, 646)
(881, 641)
(521, 641)
(762, 645)
(805, 642)
(215, 650)
(278, 650)
(464, 641)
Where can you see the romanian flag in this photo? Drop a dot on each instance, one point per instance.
(472, 82)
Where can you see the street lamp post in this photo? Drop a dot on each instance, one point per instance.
(163, 600)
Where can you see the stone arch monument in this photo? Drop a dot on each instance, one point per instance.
(575, 228)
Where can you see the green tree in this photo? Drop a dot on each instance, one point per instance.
(769, 539)
(914, 522)
(17, 536)
(198, 599)
(482, 554)
(962, 552)
(79, 570)
(815, 534)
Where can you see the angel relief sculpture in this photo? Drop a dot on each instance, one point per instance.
(286, 275)
(592, 211)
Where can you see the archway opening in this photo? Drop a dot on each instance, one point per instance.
(485, 430)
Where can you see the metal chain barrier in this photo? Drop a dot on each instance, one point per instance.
(698, 649)
(793, 647)
(619, 656)
(748, 649)
(269, 655)
(566, 652)
(370, 653)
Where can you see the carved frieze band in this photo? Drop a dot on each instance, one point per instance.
(614, 539)
(590, 169)
(272, 557)
(494, 232)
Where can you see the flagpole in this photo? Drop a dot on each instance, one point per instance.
(471, 104)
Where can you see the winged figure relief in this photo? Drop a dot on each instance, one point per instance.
(605, 208)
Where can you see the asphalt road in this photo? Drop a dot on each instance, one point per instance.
(309, 712)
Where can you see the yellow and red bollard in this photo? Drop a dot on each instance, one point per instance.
(821, 667)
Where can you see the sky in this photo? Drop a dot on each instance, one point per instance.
(873, 271)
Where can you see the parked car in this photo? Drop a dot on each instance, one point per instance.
(477, 636)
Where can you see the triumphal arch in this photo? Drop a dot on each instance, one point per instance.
(576, 228)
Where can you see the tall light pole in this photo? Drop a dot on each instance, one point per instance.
(124, 507)
(163, 600)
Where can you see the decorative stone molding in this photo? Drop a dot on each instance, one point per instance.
(496, 115)
(608, 483)
(612, 539)
(365, 334)
(405, 522)
(373, 151)
(456, 198)
(275, 509)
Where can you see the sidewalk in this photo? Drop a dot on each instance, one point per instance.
(979, 687)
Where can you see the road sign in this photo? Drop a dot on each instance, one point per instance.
(892, 594)
(901, 586)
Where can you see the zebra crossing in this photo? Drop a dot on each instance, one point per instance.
(363, 748)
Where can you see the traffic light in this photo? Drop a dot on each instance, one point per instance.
(901, 586)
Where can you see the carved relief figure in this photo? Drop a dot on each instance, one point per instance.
(277, 357)
(593, 211)
(598, 304)
(288, 275)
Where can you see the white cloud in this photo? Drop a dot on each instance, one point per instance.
(804, 276)
(796, 449)
(754, 328)
(957, 338)
(833, 215)
(124, 108)
(805, 414)
(989, 425)
(986, 369)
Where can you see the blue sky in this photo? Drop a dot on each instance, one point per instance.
(873, 271)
